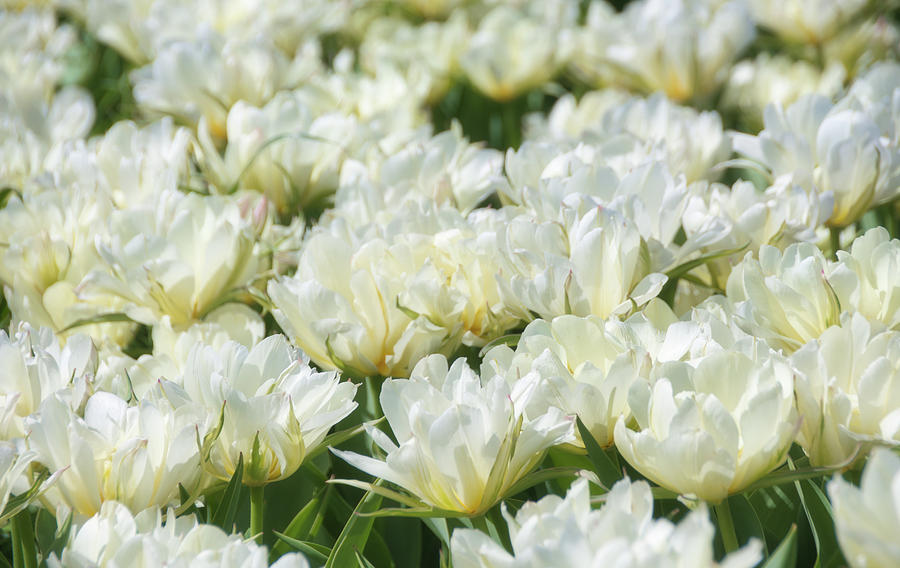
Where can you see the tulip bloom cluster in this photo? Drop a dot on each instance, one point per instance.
(428, 282)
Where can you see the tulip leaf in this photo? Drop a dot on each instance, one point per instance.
(300, 525)
(540, 476)
(787, 475)
(227, 508)
(746, 521)
(685, 267)
(818, 513)
(510, 340)
(604, 467)
(104, 318)
(356, 532)
(337, 438)
(381, 490)
(418, 512)
(313, 550)
(362, 562)
(19, 502)
(785, 556)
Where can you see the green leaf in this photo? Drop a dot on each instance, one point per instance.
(313, 550)
(785, 556)
(686, 267)
(746, 522)
(362, 562)
(19, 502)
(300, 525)
(337, 438)
(540, 476)
(356, 531)
(604, 467)
(438, 526)
(419, 513)
(818, 513)
(104, 318)
(379, 489)
(791, 473)
(231, 499)
(778, 508)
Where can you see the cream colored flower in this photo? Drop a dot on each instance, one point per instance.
(183, 258)
(848, 390)
(867, 518)
(865, 279)
(47, 249)
(138, 164)
(783, 214)
(203, 77)
(683, 48)
(445, 168)
(785, 297)
(431, 49)
(115, 537)
(594, 262)
(282, 149)
(264, 404)
(374, 300)
(36, 366)
(691, 142)
(827, 148)
(571, 363)
(803, 21)
(779, 79)
(511, 53)
(711, 431)
(568, 533)
(461, 443)
(137, 455)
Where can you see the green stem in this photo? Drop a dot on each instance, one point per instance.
(24, 554)
(726, 526)
(496, 518)
(257, 503)
(835, 241)
(512, 124)
(480, 523)
(373, 395)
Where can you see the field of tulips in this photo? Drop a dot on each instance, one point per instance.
(450, 283)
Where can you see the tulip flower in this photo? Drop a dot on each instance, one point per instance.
(567, 533)
(867, 518)
(461, 444)
(712, 430)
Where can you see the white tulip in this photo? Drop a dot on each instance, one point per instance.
(35, 367)
(265, 404)
(182, 258)
(591, 263)
(848, 390)
(785, 297)
(512, 53)
(867, 518)
(865, 279)
(375, 300)
(571, 363)
(711, 431)
(805, 21)
(566, 532)
(116, 538)
(683, 48)
(137, 455)
(461, 443)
